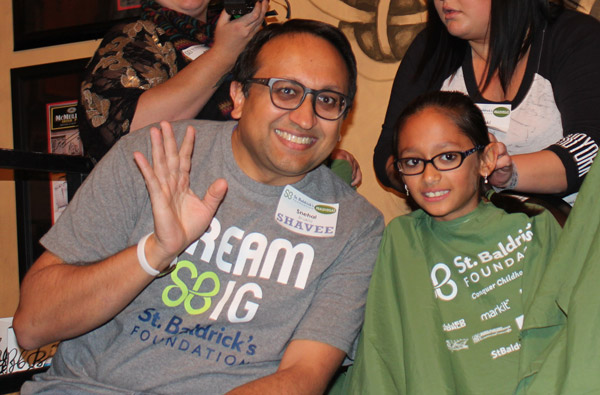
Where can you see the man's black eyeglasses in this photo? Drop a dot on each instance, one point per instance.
(289, 95)
(442, 162)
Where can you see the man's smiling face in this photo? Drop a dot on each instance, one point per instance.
(276, 146)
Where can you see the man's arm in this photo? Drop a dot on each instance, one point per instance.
(307, 367)
(60, 301)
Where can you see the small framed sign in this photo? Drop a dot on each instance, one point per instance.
(44, 102)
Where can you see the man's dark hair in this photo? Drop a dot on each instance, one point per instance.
(458, 107)
(246, 66)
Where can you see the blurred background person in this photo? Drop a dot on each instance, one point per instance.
(170, 64)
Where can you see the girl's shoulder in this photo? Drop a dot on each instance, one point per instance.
(413, 217)
(485, 217)
(406, 227)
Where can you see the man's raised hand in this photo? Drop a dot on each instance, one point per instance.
(180, 216)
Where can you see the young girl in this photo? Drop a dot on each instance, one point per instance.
(447, 297)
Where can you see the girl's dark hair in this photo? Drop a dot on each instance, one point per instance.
(457, 106)
(470, 121)
(514, 25)
(246, 65)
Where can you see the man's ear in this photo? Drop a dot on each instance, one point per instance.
(488, 159)
(236, 91)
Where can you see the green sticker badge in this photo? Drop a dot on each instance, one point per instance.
(323, 209)
(501, 112)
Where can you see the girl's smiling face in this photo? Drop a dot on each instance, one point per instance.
(445, 195)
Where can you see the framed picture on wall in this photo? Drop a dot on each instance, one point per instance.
(44, 109)
(39, 23)
(63, 138)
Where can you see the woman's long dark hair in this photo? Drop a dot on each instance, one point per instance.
(514, 25)
(468, 118)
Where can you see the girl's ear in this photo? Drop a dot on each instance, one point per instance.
(488, 159)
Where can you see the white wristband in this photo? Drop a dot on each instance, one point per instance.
(141, 254)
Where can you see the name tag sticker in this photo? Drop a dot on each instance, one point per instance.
(194, 51)
(497, 116)
(306, 216)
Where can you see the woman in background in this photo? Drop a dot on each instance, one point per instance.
(169, 65)
(533, 66)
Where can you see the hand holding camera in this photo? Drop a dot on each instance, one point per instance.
(237, 8)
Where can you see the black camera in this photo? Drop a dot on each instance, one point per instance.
(239, 7)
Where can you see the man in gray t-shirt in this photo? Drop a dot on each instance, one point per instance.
(258, 287)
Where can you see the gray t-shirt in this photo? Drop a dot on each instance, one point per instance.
(248, 286)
